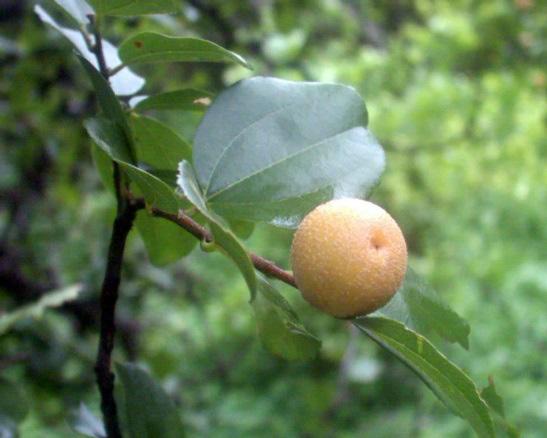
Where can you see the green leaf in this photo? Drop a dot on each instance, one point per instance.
(125, 82)
(449, 383)
(419, 307)
(168, 176)
(492, 398)
(36, 310)
(279, 327)
(223, 236)
(186, 181)
(103, 164)
(109, 104)
(165, 242)
(77, 9)
(495, 403)
(288, 146)
(157, 144)
(146, 408)
(150, 47)
(13, 403)
(84, 422)
(188, 99)
(135, 7)
(109, 137)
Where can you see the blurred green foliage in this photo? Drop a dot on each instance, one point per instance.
(456, 95)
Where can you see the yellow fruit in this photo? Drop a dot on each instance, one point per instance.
(349, 257)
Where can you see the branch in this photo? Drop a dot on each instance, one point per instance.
(125, 216)
(114, 70)
(272, 270)
(109, 296)
(265, 266)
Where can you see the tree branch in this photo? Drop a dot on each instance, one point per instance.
(109, 296)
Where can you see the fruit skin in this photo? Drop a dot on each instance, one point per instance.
(349, 257)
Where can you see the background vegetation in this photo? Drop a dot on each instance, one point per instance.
(456, 95)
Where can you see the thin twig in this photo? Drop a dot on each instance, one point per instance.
(272, 270)
(116, 69)
(186, 222)
(265, 266)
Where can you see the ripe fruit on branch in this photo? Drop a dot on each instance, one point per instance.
(349, 257)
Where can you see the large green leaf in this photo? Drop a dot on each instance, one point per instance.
(36, 310)
(149, 47)
(165, 242)
(449, 383)
(188, 99)
(224, 237)
(135, 7)
(157, 144)
(109, 137)
(419, 307)
(279, 327)
(270, 149)
(124, 82)
(147, 410)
